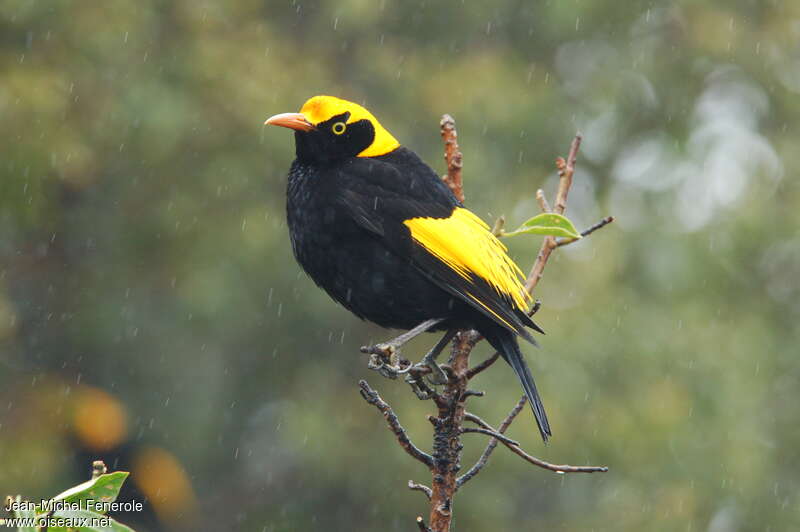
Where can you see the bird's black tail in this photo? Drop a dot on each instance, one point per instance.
(506, 342)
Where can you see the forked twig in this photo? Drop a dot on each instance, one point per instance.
(475, 469)
(566, 169)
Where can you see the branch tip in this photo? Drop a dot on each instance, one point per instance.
(453, 156)
(420, 487)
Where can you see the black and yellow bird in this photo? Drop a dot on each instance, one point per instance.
(377, 229)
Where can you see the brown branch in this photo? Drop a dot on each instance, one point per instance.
(421, 524)
(566, 170)
(483, 365)
(453, 157)
(586, 232)
(474, 470)
(447, 433)
(372, 397)
(469, 416)
(542, 201)
(547, 465)
(420, 487)
(444, 462)
(492, 433)
(497, 435)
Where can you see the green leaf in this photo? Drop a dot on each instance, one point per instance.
(86, 521)
(104, 488)
(548, 223)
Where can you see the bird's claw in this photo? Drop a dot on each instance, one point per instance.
(437, 375)
(419, 387)
(386, 360)
(385, 350)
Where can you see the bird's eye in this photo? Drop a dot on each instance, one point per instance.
(338, 128)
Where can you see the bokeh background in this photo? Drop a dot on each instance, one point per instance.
(151, 312)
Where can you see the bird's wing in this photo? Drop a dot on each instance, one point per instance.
(418, 218)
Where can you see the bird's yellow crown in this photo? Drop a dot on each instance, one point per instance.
(321, 108)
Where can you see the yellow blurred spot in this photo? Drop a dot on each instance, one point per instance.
(99, 419)
(165, 483)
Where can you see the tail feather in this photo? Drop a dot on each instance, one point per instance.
(506, 342)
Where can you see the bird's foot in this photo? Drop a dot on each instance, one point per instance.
(386, 359)
(418, 386)
(437, 375)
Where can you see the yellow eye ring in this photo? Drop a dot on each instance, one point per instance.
(338, 128)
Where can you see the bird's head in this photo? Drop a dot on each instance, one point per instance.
(328, 129)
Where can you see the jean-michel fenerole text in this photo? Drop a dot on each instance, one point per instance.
(92, 505)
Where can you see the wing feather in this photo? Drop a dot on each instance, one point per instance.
(418, 218)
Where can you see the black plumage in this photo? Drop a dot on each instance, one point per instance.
(353, 226)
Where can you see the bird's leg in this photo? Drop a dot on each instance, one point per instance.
(437, 376)
(385, 357)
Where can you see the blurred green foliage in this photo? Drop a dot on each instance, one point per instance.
(147, 282)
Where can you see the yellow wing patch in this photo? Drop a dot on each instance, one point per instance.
(466, 245)
(321, 108)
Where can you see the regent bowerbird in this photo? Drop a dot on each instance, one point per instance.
(385, 237)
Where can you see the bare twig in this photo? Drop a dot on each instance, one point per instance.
(421, 524)
(497, 228)
(469, 416)
(492, 433)
(474, 470)
(452, 154)
(420, 487)
(483, 365)
(599, 225)
(542, 200)
(566, 169)
(372, 397)
(552, 467)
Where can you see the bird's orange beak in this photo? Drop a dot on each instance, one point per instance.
(294, 121)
